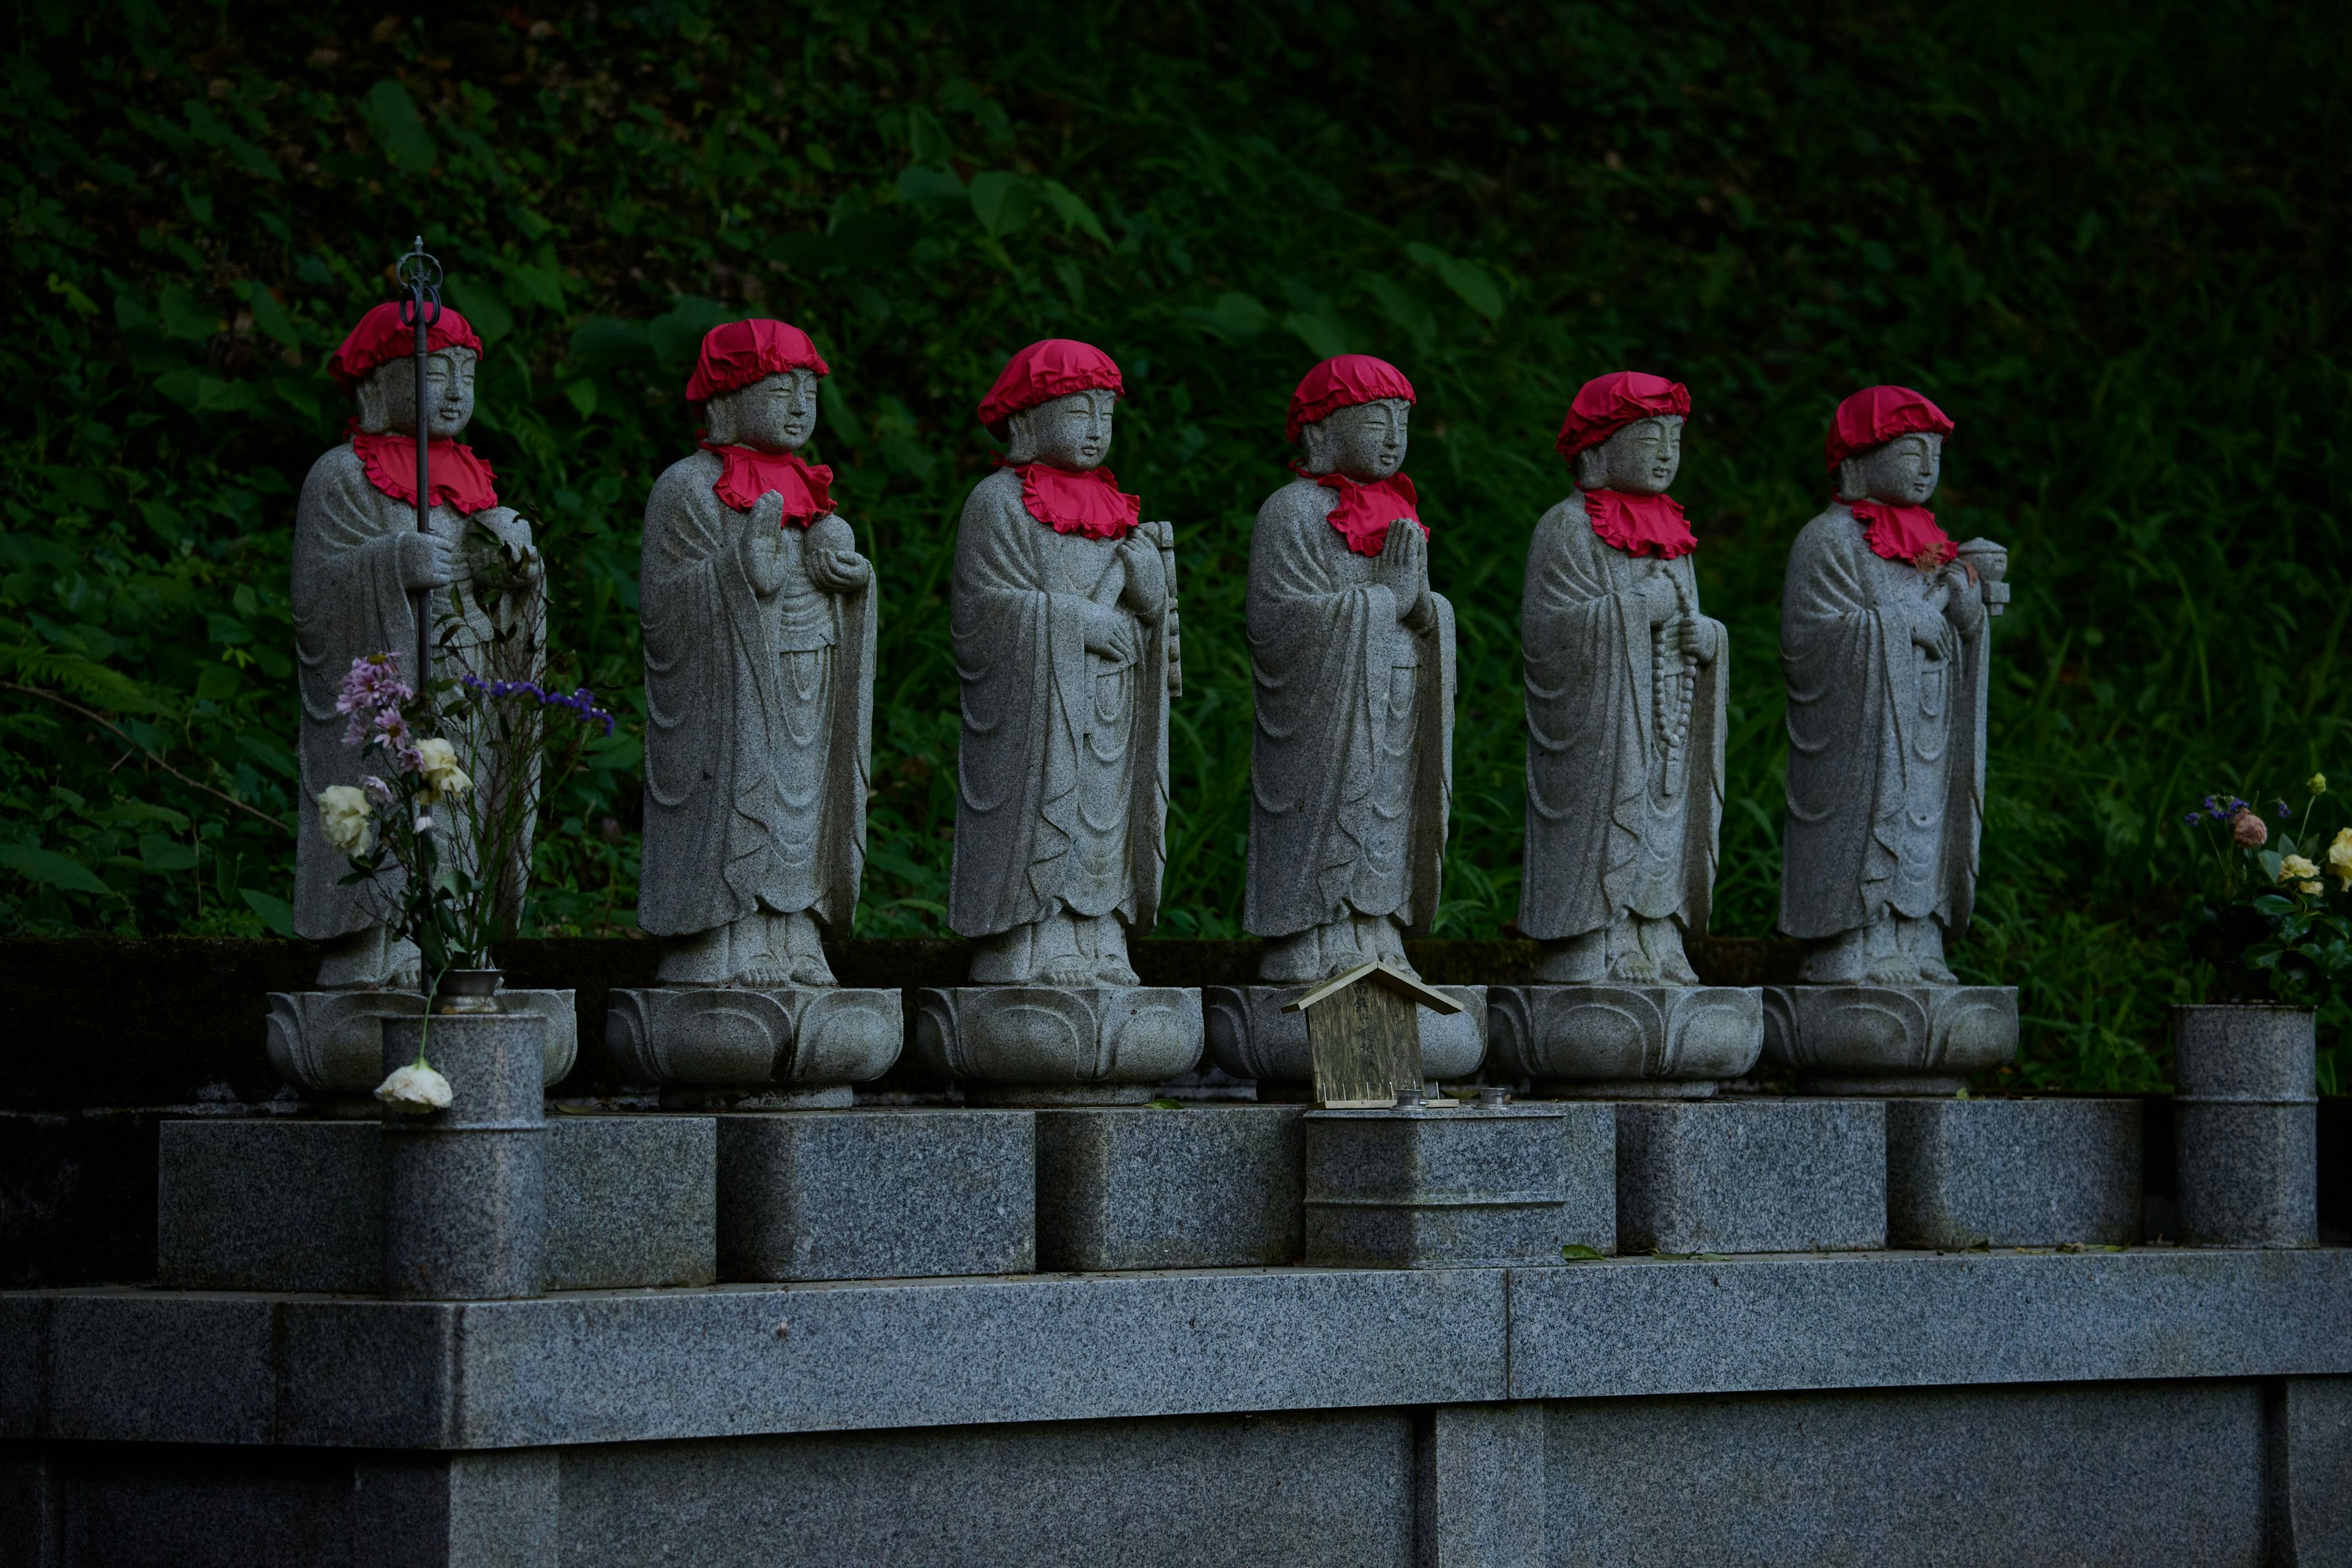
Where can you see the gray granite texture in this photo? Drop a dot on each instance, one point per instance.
(789, 1041)
(282, 1204)
(2013, 1172)
(2246, 1126)
(1750, 1176)
(1627, 685)
(1250, 1037)
(1884, 1040)
(1437, 1188)
(758, 637)
(1023, 1045)
(357, 558)
(877, 1193)
(465, 1189)
(1350, 793)
(329, 1044)
(1624, 1041)
(2126, 1473)
(500, 1509)
(1885, 668)
(1206, 1186)
(1478, 1486)
(2314, 1426)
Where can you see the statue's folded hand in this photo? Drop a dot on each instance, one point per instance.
(839, 571)
(1109, 634)
(426, 561)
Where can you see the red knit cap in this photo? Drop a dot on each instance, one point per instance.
(739, 353)
(1343, 382)
(382, 336)
(1607, 404)
(1051, 368)
(1876, 414)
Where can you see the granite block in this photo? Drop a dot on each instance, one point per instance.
(1751, 1175)
(24, 1364)
(465, 1188)
(2316, 1425)
(2126, 1473)
(2248, 1173)
(2013, 1172)
(1588, 1169)
(497, 1509)
(876, 1194)
(632, 1200)
(1478, 1486)
(187, 1507)
(1206, 1186)
(156, 1367)
(1431, 1188)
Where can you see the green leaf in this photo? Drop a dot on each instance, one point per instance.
(74, 297)
(1577, 1252)
(676, 335)
(479, 301)
(1003, 203)
(1074, 212)
(275, 912)
(391, 114)
(1475, 285)
(836, 408)
(47, 866)
(1323, 336)
(601, 343)
(931, 190)
(1234, 315)
(158, 853)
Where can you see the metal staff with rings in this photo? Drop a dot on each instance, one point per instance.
(420, 309)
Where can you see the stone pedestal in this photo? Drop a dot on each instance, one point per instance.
(1250, 1037)
(1751, 1175)
(2246, 1126)
(1042, 1044)
(2013, 1172)
(723, 1047)
(1438, 1188)
(465, 1189)
(1207, 1187)
(876, 1194)
(281, 1204)
(1888, 1040)
(1623, 1042)
(329, 1044)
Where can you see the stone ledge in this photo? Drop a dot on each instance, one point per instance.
(616, 1366)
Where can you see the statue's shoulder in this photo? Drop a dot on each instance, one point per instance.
(1566, 514)
(1297, 503)
(339, 467)
(698, 471)
(1832, 531)
(999, 494)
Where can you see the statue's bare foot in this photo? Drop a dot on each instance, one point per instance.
(1068, 973)
(1895, 969)
(811, 970)
(765, 973)
(1634, 969)
(1116, 972)
(1675, 968)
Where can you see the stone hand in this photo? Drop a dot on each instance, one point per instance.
(1675, 636)
(1404, 569)
(1144, 592)
(1110, 634)
(1964, 599)
(761, 545)
(1704, 640)
(426, 561)
(838, 571)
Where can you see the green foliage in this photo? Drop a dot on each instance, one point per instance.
(2098, 237)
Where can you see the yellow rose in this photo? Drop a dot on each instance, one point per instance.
(442, 774)
(2295, 868)
(348, 819)
(2310, 889)
(2339, 857)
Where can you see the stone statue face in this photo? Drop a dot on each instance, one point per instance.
(387, 395)
(775, 413)
(1900, 473)
(1071, 432)
(1365, 443)
(1641, 460)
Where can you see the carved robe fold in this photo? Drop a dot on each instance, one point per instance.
(348, 603)
(1621, 819)
(1886, 783)
(1352, 758)
(760, 721)
(1062, 777)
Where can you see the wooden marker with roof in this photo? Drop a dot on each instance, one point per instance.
(1364, 1032)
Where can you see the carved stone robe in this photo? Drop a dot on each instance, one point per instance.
(760, 720)
(1062, 776)
(1351, 757)
(1618, 822)
(349, 603)
(1885, 785)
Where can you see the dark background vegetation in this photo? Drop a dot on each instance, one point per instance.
(2106, 238)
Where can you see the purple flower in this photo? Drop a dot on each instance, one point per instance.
(376, 789)
(2192, 819)
(409, 760)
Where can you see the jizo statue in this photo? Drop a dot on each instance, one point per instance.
(359, 559)
(1063, 628)
(1884, 647)
(758, 636)
(1625, 702)
(1352, 656)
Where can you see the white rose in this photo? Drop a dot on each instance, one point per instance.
(417, 1088)
(438, 764)
(348, 818)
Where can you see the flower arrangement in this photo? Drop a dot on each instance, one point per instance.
(2278, 932)
(449, 851)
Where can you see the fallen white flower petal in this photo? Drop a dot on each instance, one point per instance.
(415, 1088)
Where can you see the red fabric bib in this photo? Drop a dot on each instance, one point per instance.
(750, 474)
(455, 477)
(1079, 500)
(1365, 512)
(1640, 525)
(1905, 533)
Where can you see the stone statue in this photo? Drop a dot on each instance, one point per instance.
(759, 634)
(360, 565)
(1626, 684)
(1352, 657)
(1063, 620)
(1884, 647)
(759, 622)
